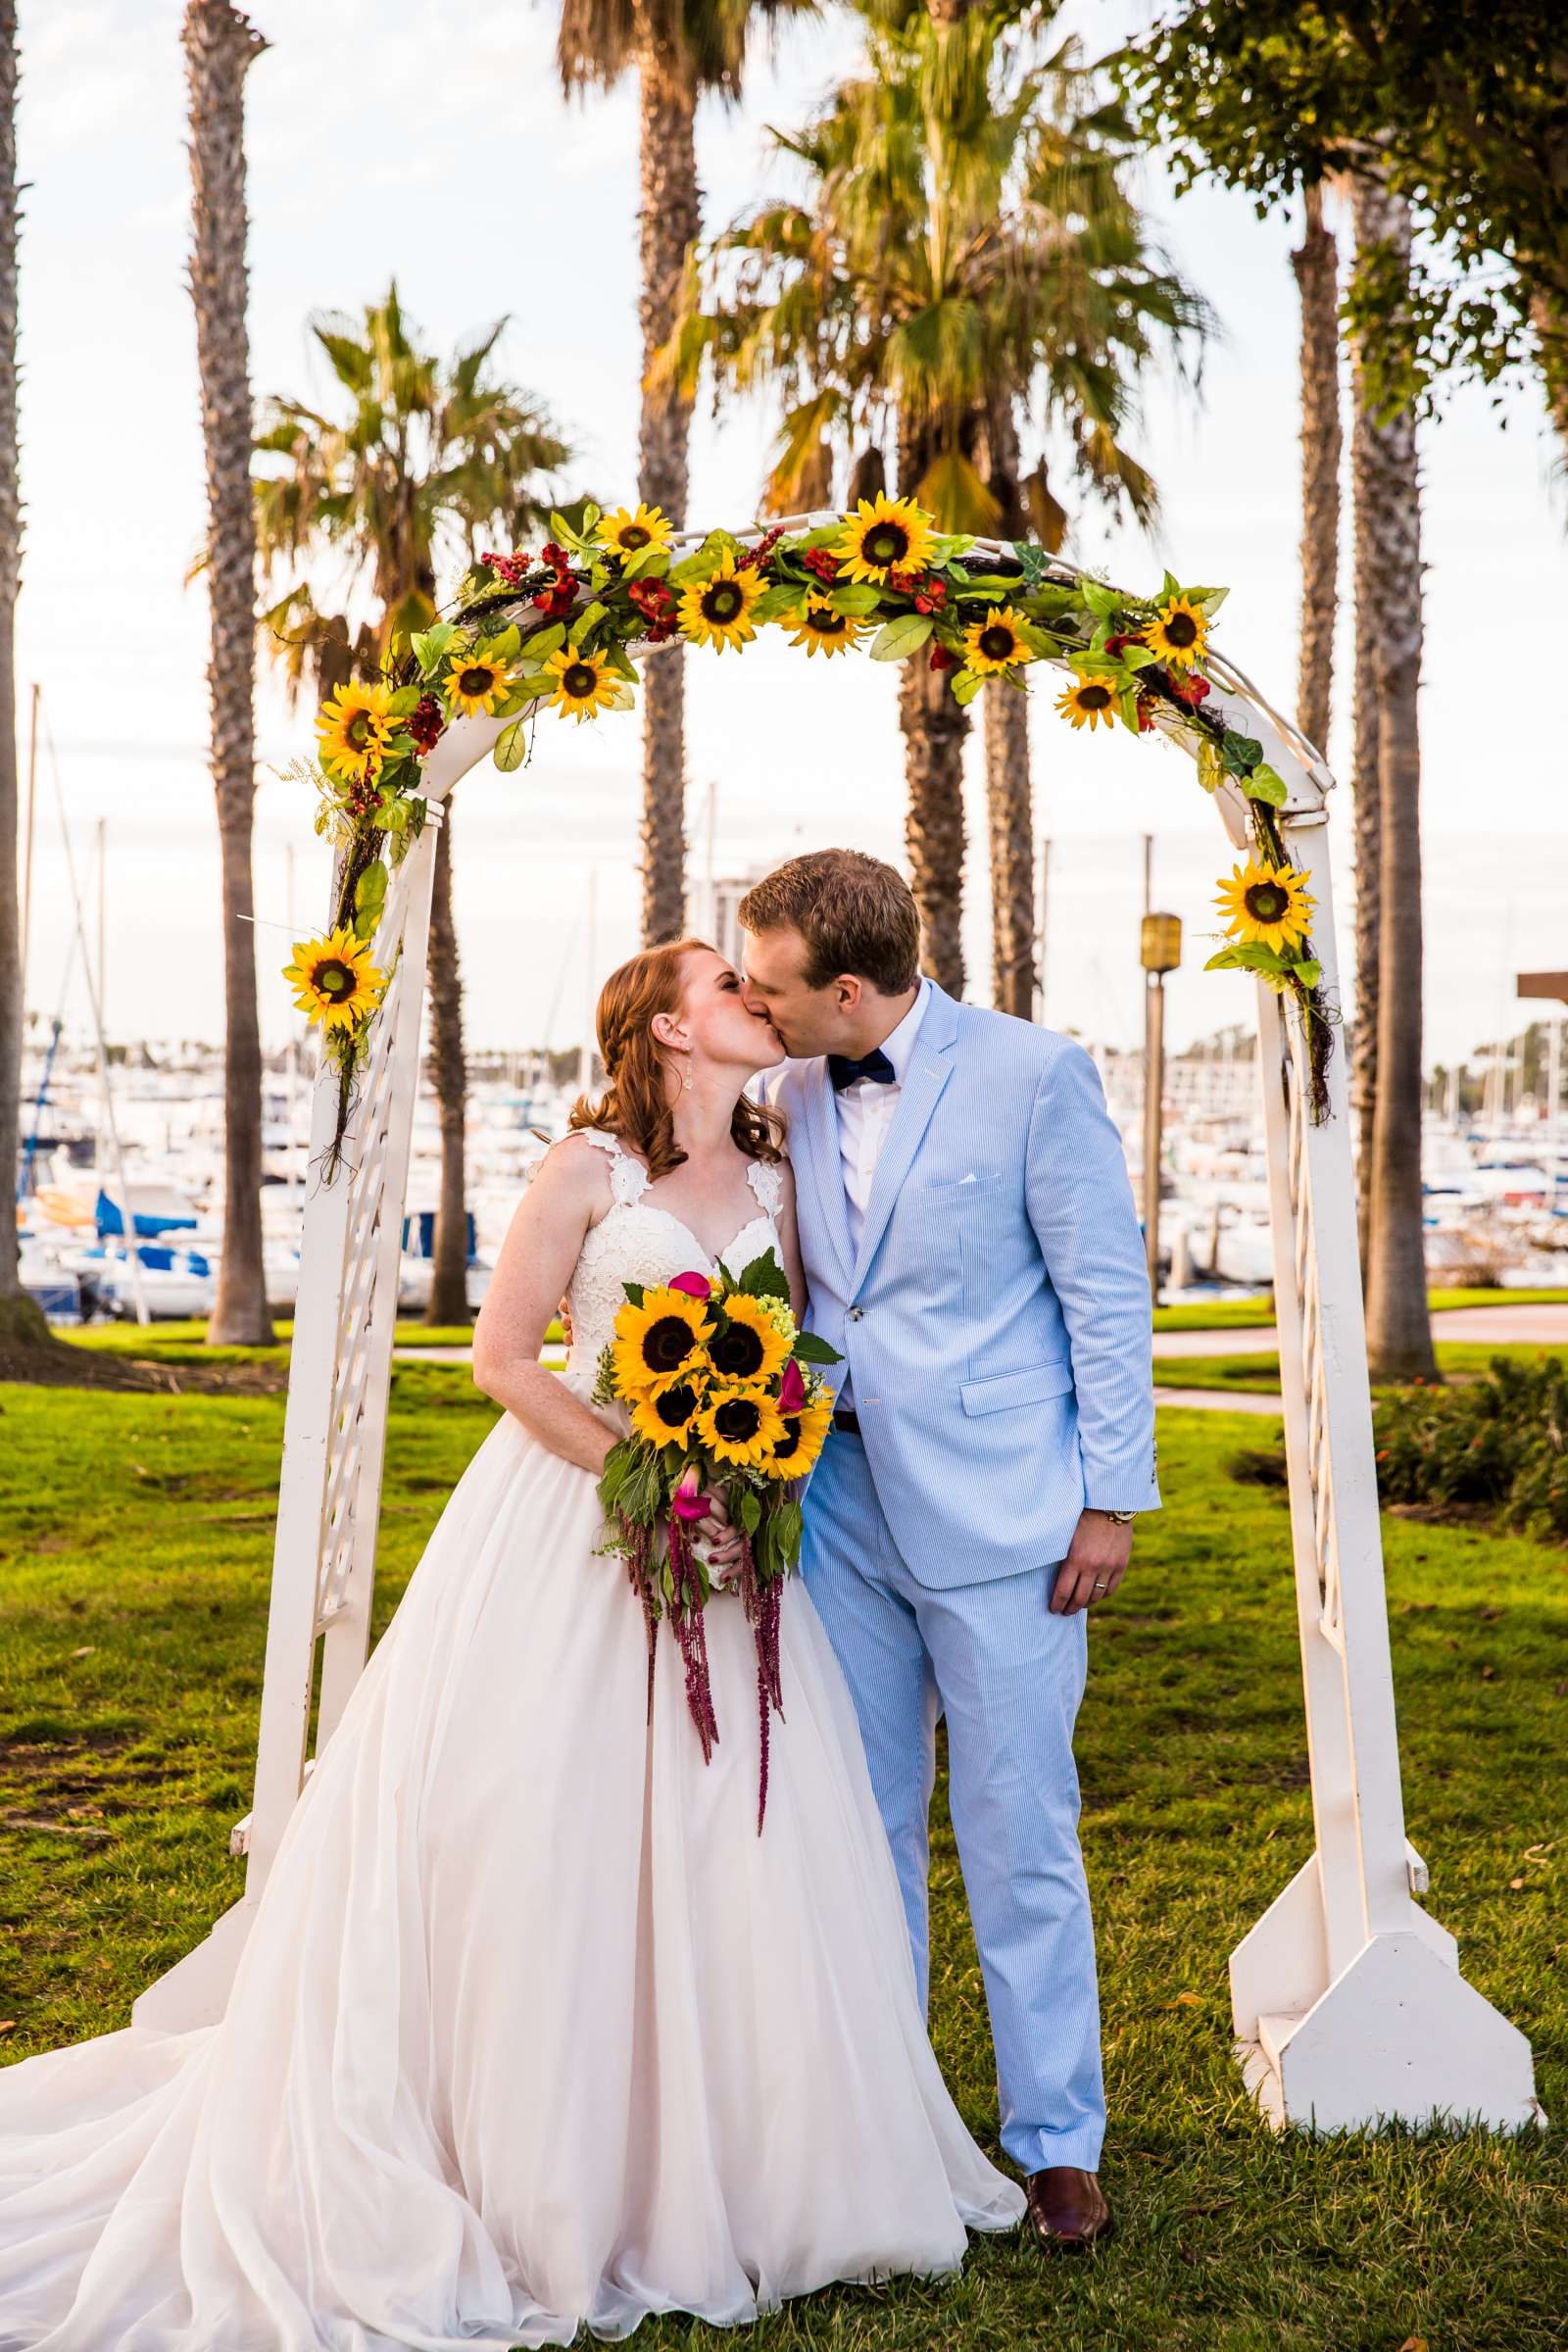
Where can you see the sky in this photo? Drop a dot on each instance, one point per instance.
(430, 142)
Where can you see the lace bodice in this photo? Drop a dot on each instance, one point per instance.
(635, 1240)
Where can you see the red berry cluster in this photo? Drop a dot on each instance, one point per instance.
(759, 554)
(821, 562)
(655, 600)
(554, 601)
(941, 658)
(513, 569)
(427, 724)
(362, 798)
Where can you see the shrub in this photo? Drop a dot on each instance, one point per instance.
(1502, 1439)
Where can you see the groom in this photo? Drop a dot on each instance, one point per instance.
(974, 1253)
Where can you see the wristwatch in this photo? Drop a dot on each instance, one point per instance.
(1120, 1518)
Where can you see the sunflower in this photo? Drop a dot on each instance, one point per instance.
(748, 1345)
(585, 683)
(717, 610)
(477, 681)
(339, 984)
(884, 535)
(823, 629)
(995, 643)
(354, 729)
(802, 1442)
(740, 1425)
(664, 1416)
(1089, 701)
(659, 1339)
(1268, 903)
(1178, 632)
(631, 529)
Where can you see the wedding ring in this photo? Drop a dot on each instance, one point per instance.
(1099, 1584)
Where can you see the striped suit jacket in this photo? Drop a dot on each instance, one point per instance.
(996, 1316)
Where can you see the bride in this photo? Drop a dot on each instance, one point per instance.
(533, 2029)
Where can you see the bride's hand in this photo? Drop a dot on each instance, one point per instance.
(722, 1540)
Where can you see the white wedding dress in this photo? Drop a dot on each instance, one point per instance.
(532, 2028)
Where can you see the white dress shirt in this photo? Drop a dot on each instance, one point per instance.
(864, 1114)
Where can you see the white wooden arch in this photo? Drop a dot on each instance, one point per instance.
(1348, 2003)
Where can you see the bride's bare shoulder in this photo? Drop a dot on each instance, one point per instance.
(574, 1173)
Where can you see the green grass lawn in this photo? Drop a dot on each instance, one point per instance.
(1457, 1359)
(132, 1596)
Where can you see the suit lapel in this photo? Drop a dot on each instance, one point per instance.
(930, 1068)
(819, 1121)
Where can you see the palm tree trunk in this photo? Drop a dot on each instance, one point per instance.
(935, 726)
(1316, 266)
(670, 223)
(1388, 519)
(19, 1317)
(448, 1271)
(1366, 812)
(220, 44)
(1009, 799)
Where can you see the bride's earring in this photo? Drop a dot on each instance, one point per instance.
(686, 1079)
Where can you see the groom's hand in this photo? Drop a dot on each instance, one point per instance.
(1096, 1564)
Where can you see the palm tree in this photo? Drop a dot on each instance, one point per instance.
(220, 46)
(19, 1317)
(965, 255)
(679, 50)
(1388, 641)
(424, 462)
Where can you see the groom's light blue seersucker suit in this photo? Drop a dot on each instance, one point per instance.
(995, 1325)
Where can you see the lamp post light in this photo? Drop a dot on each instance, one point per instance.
(1160, 951)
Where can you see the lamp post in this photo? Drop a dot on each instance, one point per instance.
(1160, 951)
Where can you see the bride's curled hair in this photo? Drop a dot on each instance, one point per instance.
(635, 1106)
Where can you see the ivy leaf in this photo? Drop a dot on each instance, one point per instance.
(1263, 783)
(1104, 601)
(1241, 753)
(897, 639)
(511, 749)
(1031, 562)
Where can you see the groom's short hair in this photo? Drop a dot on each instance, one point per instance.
(854, 913)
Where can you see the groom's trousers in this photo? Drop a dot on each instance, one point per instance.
(1007, 1676)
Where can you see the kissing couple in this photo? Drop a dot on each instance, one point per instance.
(534, 2031)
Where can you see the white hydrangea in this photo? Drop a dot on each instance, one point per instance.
(779, 1314)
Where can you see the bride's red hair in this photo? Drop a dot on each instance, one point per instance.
(635, 1104)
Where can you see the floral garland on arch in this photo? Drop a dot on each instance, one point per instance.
(554, 631)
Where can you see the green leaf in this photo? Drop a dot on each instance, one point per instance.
(502, 647)
(1240, 753)
(1127, 705)
(430, 644)
(511, 749)
(546, 640)
(405, 700)
(1033, 562)
(774, 603)
(1309, 971)
(370, 896)
(749, 1511)
(897, 639)
(966, 684)
(1171, 586)
(1104, 601)
(1137, 657)
(634, 1292)
(648, 564)
(812, 1348)
(620, 660)
(859, 597)
(765, 1278)
(1264, 784)
(1211, 766)
(586, 619)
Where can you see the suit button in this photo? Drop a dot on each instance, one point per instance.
(854, 1314)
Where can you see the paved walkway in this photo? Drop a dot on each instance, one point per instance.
(1539, 1326)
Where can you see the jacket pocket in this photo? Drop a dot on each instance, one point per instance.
(1005, 1390)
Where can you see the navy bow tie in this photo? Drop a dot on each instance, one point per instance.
(874, 1065)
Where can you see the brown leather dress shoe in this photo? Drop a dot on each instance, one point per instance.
(1067, 2209)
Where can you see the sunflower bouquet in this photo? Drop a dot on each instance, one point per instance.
(725, 1397)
